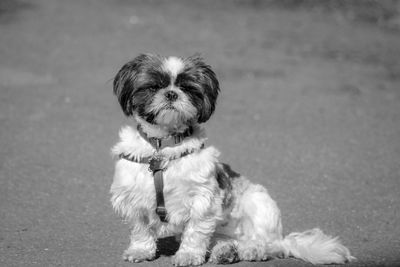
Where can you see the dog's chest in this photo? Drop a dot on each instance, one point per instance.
(188, 181)
(185, 182)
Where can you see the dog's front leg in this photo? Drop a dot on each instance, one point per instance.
(195, 240)
(142, 242)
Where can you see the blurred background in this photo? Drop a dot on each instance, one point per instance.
(309, 107)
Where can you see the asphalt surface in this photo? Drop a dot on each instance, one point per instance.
(310, 108)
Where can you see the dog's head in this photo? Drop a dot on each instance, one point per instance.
(167, 91)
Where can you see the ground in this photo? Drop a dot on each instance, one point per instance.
(309, 107)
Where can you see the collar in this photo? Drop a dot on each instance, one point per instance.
(133, 145)
(169, 141)
(158, 144)
(157, 162)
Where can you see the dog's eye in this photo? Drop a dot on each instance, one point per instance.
(149, 88)
(187, 88)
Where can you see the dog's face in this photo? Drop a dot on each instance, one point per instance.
(167, 91)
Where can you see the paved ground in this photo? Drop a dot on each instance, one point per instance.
(310, 107)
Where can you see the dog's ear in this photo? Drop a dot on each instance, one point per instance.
(126, 80)
(124, 84)
(207, 79)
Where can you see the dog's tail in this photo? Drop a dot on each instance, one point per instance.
(316, 247)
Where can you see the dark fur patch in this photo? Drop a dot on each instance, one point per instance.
(224, 177)
(201, 83)
(225, 174)
(136, 83)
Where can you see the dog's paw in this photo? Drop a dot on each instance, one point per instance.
(138, 255)
(187, 259)
(224, 253)
(253, 254)
(253, 251)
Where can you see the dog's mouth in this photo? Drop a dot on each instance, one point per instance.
(169, 107)
(172, 112)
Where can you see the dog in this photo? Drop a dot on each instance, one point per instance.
(167, 183)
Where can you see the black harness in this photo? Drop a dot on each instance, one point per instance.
(158, 163)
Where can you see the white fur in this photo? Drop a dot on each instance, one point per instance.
(241, 219)
(316, 247)
(182, 111)
(188, 198)
(173, 65)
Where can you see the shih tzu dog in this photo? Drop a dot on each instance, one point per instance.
(168, 183)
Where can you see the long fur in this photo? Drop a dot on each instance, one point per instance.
(210, 206)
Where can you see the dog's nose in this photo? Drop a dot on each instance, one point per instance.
(171, 95)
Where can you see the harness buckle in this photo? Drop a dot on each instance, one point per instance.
(162, 213)
(157, 163)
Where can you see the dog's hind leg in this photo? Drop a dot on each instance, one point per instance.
(223, 250)
(259, 233)
(259, 228)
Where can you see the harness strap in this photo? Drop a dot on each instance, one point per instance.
(157, 161)
(155, 166)
(159, 186)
